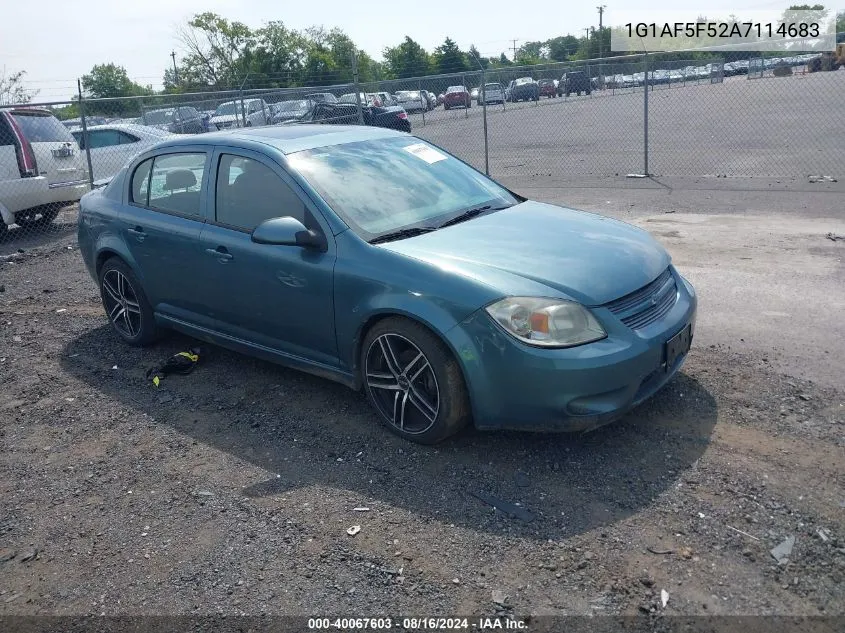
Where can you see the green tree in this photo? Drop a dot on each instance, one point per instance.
(840, 22)
(817, 12)
(12, 89)
(561, 48)
(474, 58)
(107, 81)
(531, 53)
(448, 58)
(409, 59)
(218, 51)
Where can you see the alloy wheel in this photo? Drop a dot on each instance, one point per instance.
(121, 303)
(402, 383)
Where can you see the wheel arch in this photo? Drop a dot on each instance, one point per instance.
(377, 317)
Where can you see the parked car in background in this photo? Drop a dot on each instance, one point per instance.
(393, 117)
(523, 89)
(473, 94)
(41, 167)
(412, 100)
(493, 93)
(367, 100)
(176, 120)
(456, 97)
(440, 98)
(387, 99)
(400, 271)
(288, 110)
(547, 88)
(321, 97)
(430, 98)
(575, 81)
(72, 124)
(113, 144)
(240, 113)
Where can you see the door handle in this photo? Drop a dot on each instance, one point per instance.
(138, 233)
(220, 253)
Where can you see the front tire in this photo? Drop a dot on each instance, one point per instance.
(127, 308)
(413, 381)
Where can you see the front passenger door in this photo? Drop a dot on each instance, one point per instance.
(280, 297)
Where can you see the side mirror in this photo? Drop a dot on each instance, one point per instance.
(288, 231)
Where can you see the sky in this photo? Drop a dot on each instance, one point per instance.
(57, 42)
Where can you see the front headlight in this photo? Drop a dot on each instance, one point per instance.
(546, 322)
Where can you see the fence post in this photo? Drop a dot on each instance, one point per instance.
(645, 117)
(464, 84)
(483, 95)
(243, 109)
(85, 134)
(357, 87)
(424, 105)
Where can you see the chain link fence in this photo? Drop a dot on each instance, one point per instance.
(555, 123)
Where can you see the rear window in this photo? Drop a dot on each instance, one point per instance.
(523, 80)
(42, 128)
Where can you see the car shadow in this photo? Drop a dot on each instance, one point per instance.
(39, 233)
(308, 431)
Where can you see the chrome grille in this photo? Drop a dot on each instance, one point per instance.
(648, 304)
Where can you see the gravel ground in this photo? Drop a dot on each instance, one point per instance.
(230, 490)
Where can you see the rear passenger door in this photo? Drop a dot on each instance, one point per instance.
(160, 224)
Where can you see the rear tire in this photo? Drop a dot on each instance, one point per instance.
(413, 381)
(127, 308)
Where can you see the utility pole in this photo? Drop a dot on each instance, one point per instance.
(601, 15)
(514, 50)
(175, 71)
(601, 9)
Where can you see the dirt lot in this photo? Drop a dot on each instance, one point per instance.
(231, 490)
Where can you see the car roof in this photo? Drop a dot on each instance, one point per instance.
(288, 138)
(126, 127)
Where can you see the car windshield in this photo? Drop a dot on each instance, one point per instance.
(384, 185)
(492, 87)
(408, 94)
(523, 80)
(156, 117)
(225, 109)
(42, 128)
(455, 89)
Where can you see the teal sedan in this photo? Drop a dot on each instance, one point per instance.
(376, 259)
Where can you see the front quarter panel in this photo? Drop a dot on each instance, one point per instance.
(372, 282)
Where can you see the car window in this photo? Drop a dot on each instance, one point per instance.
(141, 183)
(42, 128)
(126, 138)
(248, 193)
(176, 183)
(104, 138)
(386, 184)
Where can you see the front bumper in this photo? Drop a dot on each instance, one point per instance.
(519, 387)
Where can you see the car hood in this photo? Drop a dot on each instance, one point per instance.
(533, 247)
(224, 118)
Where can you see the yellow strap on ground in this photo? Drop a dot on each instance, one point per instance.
(194, 358)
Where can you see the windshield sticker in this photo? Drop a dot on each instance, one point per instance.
(424, 152)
